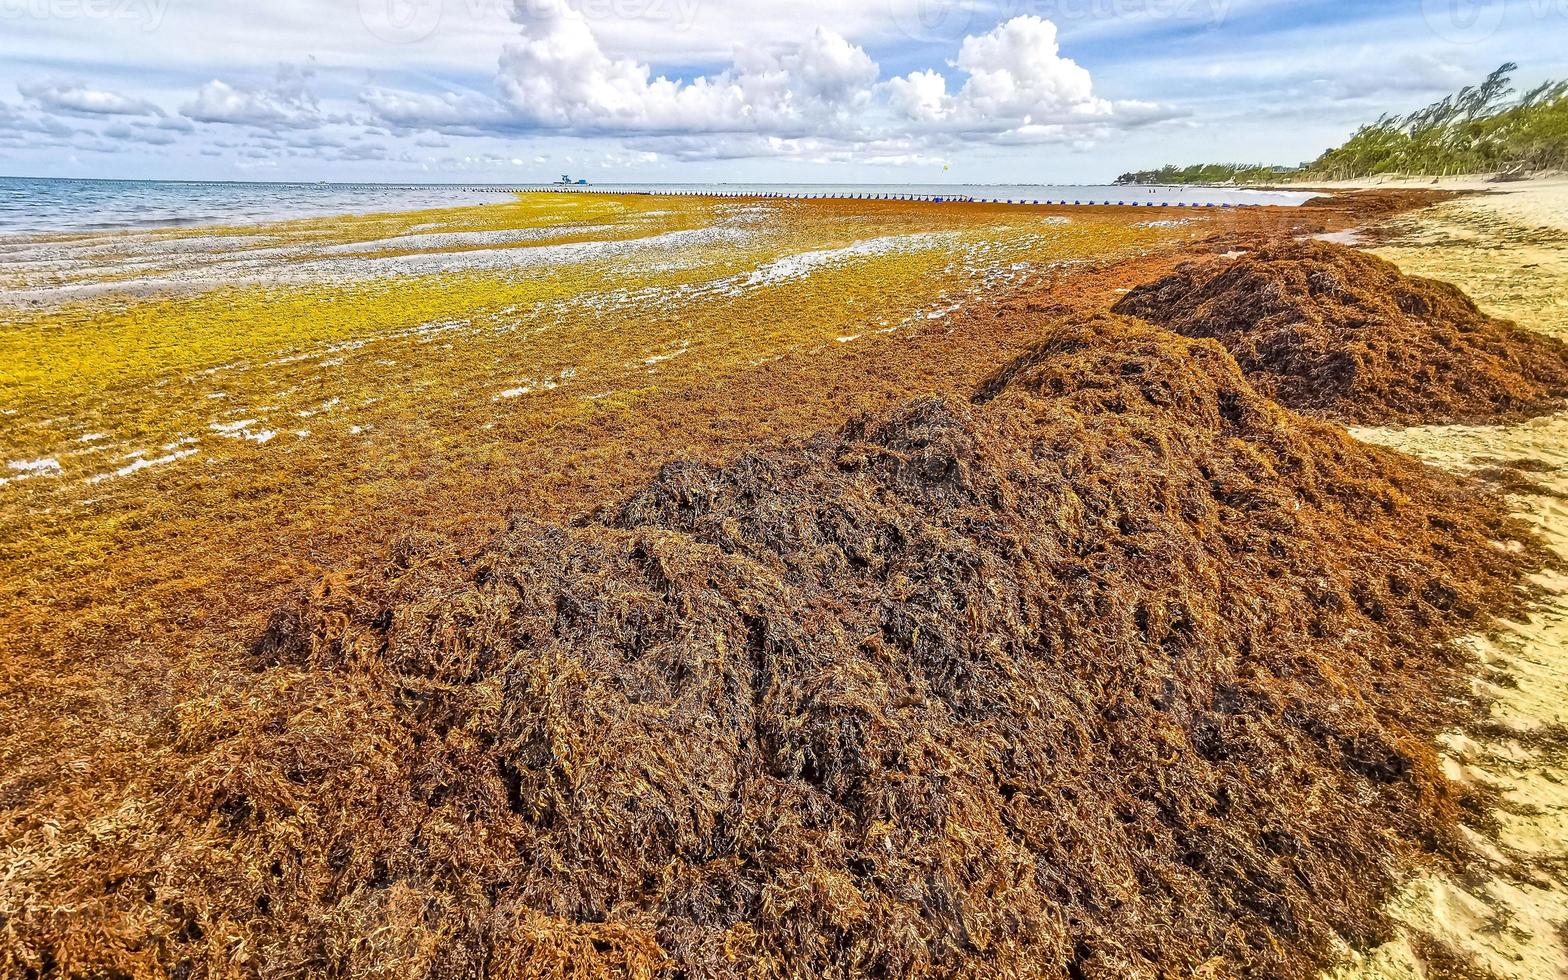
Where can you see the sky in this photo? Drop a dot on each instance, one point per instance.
(969, 91)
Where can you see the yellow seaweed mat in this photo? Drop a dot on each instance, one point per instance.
(220, 397)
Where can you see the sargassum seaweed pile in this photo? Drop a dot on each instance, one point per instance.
(1333, 331)
(1117, 670)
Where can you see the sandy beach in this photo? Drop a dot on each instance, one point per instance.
(1507, 247)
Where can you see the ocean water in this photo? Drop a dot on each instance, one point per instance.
(31, 205)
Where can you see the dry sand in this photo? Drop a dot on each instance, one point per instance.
(1509, 250)
(1530, 204)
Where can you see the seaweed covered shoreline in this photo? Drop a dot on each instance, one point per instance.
(1115, 668)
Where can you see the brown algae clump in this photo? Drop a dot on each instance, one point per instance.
(1330, 330)
(1119, 670)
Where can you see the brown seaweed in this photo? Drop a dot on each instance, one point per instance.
(1333, 331)
(1119, 670)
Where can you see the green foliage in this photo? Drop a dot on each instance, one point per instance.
(1485, 128)
(1206, 173)
(1479, 129)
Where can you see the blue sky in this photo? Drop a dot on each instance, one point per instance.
(890, 90)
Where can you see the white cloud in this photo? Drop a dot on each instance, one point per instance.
(703, 148)
(220, 102)
(1016, 72)
(141, 135)
(566, 72)
(559, 77)
(312, 140)
(78, 98)
(447, 111)
(1019, 87)
(920, 96)
(1258, 82)
(21, 128)
(808, 98)
(830, 69)
(286, 103)
(362, 151)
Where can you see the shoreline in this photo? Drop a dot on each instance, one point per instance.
(1458, 182)
(1085, 195)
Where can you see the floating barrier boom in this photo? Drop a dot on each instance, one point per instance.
(926, 198)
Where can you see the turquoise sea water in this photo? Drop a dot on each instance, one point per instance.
(35, 205)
